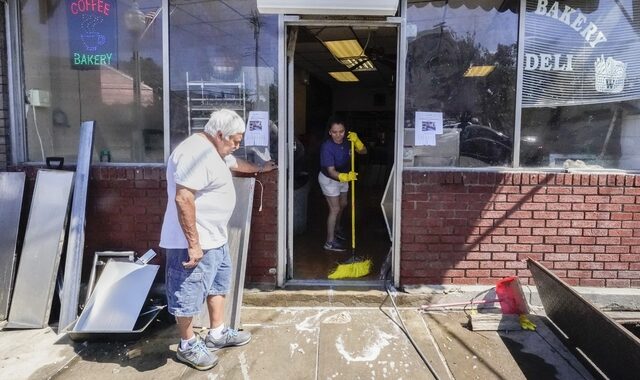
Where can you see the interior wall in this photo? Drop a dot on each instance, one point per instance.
(300, 82)
(355, 98)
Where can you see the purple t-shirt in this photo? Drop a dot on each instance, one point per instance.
(336, 155)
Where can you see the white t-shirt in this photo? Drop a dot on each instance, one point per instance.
(196, 164)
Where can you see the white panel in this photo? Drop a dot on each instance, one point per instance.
(31, 304)
(329, 7)
(118, 297)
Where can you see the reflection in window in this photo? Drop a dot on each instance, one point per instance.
(581, 75)
(462, 62)
(223, 55)
(102, 64)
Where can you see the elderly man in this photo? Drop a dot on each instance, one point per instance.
(194, 233)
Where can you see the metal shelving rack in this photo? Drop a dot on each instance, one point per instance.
(204, 97)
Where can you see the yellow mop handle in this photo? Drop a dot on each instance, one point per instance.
(353, 199)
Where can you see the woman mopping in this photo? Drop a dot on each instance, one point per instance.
(334, 177)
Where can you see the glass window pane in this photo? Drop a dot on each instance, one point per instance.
(93, 60)
(223, 55)
(581, 84)
(461, 62)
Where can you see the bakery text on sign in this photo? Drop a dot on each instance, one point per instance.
(574, 19)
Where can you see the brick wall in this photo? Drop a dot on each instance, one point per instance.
(474, 228)
(4, 95)
(125, 207)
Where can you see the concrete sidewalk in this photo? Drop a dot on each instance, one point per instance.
(306, 343)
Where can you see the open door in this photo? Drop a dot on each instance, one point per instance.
(368, 107)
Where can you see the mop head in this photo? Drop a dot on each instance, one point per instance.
(353, 269)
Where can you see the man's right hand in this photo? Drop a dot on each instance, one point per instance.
(195, 255)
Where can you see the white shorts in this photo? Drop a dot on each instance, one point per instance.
(331, 187)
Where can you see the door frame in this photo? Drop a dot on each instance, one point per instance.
(285, 146)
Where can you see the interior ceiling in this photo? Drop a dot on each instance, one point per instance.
(379, 44)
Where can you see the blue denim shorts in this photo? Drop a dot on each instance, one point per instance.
(187, 289)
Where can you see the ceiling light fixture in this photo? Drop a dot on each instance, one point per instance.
(478, 71)
(358, 64)
(344, 76)
(345, 48)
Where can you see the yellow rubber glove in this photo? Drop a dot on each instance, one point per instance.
(352, 136)
(348, 177)
(526, 324)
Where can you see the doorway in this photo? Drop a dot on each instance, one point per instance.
(363, 96)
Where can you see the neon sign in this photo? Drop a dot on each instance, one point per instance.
(92, 26)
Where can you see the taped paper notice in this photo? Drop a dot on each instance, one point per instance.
(257, 130)
(427, 126)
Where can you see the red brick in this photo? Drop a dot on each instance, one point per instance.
(609, 257)
(581, 257)
(508, 256)
(622, 216)
(515, 265)
(580, 274)
(583, 223)
(557, 223)
(617, 249)
(610, 190)
(558, 206)
(584, 206)
(538, 223)
(571, 198)
(623, 199)
(635, 274)
(583, 240)
(595, 232)
(492, 247)
(491, 264)
(592, 248)
(591, 265)
(618, 283)
(523, 239)
(478, 273)
(616, 266)
(608, 240)
(556, 257)
(504, 239)
(503, 272)
(611, 207)
(570, 231)
(558, 190)
(547, 198)
(518, 231)
(542, 248)
(545, 214)
(530, 255)
(565, 265)
(596, 199)
(478, 256)
(567, 248)
(604, 274)
(630, 257)
(621, 232)
(608, 223)
(592, 282)
(464, 281)
(557, 239)
(519, 247)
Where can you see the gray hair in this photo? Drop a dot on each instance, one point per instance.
(226, 121)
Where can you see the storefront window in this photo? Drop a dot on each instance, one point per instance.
(224, 55)
(461, 65)
(93, 60)
(581, 90)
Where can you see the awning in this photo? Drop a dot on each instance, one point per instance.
(329, 7)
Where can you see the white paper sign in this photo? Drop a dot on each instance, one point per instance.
(427, 126)
(257, 130)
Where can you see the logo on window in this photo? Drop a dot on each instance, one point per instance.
(610, 75)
